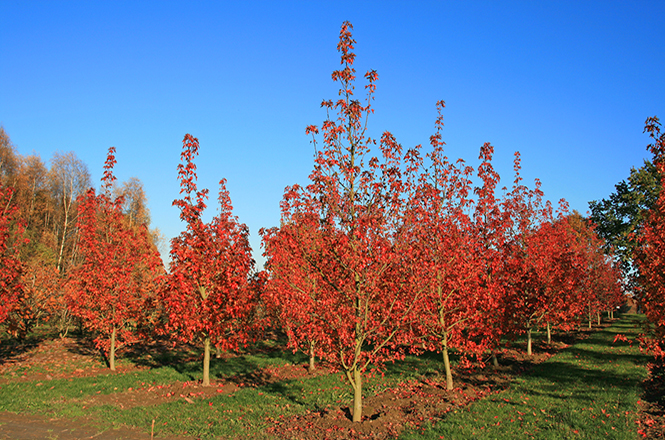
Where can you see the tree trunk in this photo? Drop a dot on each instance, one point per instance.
(218, 353)
(206, 361)
(549, 334)
(495, 361)
(312, 365)
(357, 395)
(528, 342)
(446, 364)
(112, 350)
(598, 316)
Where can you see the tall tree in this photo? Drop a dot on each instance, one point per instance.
(620, 217)
(70, 179)
(208, 295)
(111, 289)
(491, 224)
(345, 235)
(650, 250)
(445, 260)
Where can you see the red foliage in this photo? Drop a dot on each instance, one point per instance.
(208, 296)
(112, 289)
(650, 254)
(10, 267)
(553, 268)
(450, 272)
(336, 261)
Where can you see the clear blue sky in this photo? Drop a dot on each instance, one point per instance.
(567, 83)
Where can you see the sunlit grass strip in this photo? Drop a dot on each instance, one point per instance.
(588, 391)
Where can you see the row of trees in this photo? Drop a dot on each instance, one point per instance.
(380, 255)
(377, 256)
(40, 208)
(632, 222)
(116, 286)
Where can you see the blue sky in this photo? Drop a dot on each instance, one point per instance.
(568, 84)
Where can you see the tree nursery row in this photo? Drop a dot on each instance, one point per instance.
(385, 251)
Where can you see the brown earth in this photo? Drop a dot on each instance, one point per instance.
(411, 403)
(385, 415)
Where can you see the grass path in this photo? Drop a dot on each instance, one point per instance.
(588, 391)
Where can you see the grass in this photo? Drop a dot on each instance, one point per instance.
(588, 391)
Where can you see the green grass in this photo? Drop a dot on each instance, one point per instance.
(588, 391)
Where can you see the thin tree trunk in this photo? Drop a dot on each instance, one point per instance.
(446, 364)
(549, 334)
(495, 360)
(218, 353)
(62, 244)
(598, 316)
(206, 361)
(528, 342)
(112, 350)
(66, 206)
(357, 395)
(312, 365)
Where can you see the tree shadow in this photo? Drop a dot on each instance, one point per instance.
(12, 350)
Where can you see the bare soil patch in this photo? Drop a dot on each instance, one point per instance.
(408, 404)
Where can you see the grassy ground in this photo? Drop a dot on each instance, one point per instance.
(588, 391)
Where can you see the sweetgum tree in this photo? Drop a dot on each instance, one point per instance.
(292, 292)
(540, 268)
(650, 252)
(337, 260)
(491, 224)
(208, 295)
(111, 290)
(446, 260)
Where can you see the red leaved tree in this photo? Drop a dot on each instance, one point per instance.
(447, 271)
(292, 292)
(11, 268)
(113, 286)
(650, 254)
(491, 225)
(539, 267)
(208, 295)
(336, 261)
(600, 287)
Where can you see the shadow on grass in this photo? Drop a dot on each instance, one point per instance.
(12, 349)
(609, 366)
(427, 364)
(187, 359)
